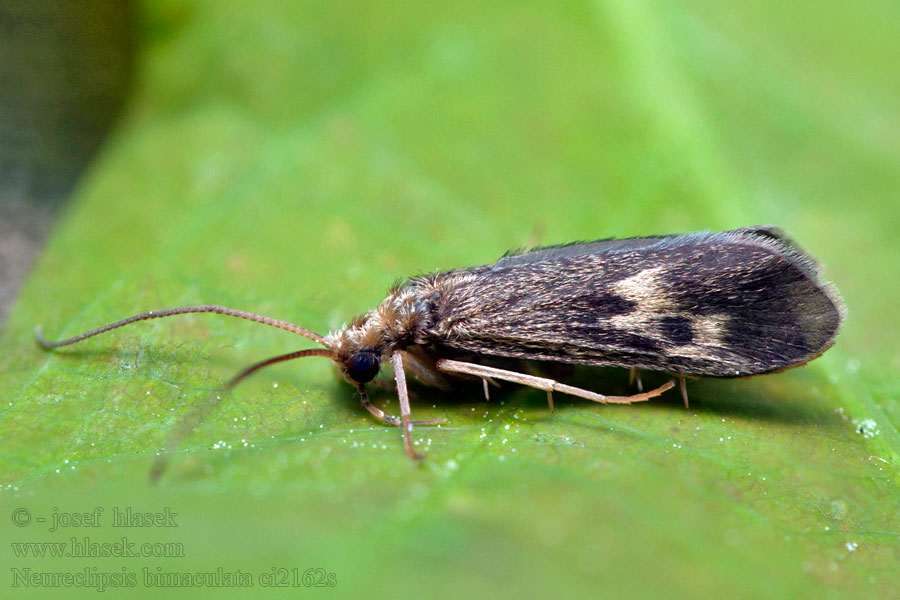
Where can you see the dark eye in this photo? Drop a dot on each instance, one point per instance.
(363, 367)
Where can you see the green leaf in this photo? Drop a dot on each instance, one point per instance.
(294, 160)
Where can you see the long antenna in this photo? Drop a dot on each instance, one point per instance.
(277, 359)
(207, 308)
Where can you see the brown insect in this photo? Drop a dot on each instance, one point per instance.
(729, 304)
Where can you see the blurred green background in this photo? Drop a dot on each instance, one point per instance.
(294, 159)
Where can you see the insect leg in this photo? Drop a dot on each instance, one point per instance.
(422, 368)
(374, 410)
(386, 418)
(542, 383)
(488, 381)
(400, 376)
(683, 385)
(634, 374)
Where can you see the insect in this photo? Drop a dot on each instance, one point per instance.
(730, 304)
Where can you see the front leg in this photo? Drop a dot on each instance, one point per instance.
(403, 396)
(386, 418)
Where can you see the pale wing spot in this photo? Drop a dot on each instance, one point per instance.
(635, 322)
(709, 332)
(644, 289)
(654, 303)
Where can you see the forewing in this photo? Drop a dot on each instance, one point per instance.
(725, 304)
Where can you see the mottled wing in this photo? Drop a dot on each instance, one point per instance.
(723, 304)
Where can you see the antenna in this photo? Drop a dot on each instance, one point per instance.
(158, 314)
(277, 359)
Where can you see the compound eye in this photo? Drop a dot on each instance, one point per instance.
(363, 367)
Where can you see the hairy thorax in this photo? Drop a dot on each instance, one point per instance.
(404, 318)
